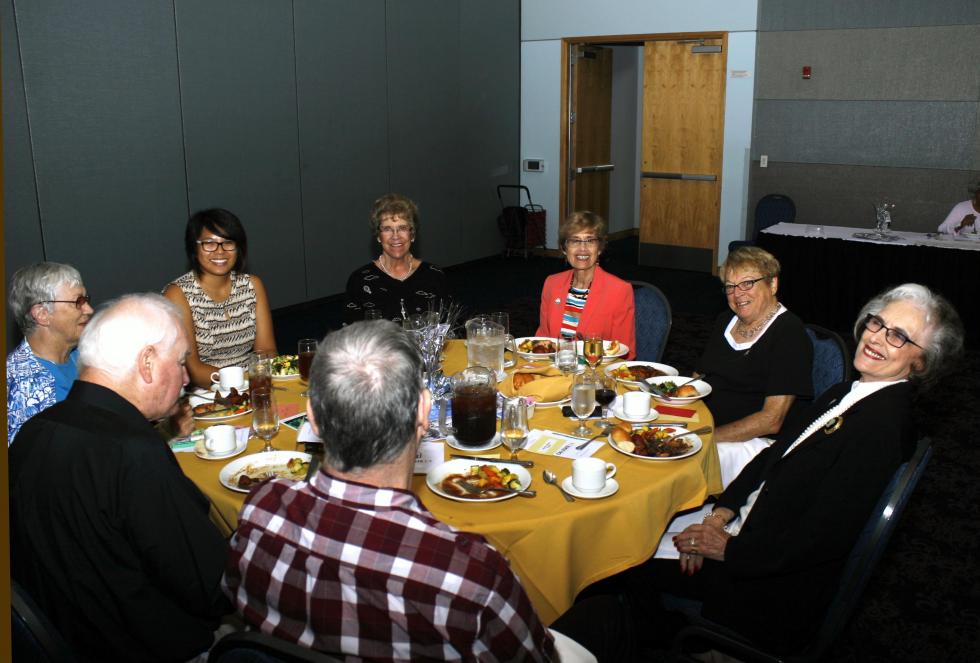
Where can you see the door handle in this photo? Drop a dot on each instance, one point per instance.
(602, 168)
(678, 176)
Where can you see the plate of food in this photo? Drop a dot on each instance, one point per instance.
(228, 407)
(634, 372)
(536, 347)
(651, 443)
(678, 395)
(443, 480)
(611, 350)
(285, 367)
(242, 474)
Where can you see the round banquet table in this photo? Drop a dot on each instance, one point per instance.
(557, 548)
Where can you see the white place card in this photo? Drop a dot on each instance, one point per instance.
(430, 455)
(550, 443)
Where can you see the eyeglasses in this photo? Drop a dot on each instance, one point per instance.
(211, 245)
(744, 286)
(79, 301)
(582, 243)
(399, 230)
(894, 337)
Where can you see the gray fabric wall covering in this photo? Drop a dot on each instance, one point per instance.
(892, 109)
(294, 115)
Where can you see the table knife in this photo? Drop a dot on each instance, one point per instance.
(522, 463)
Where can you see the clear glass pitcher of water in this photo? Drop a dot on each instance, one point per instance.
(485, 342)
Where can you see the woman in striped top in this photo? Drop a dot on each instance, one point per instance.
(226, 310)
(586, 299)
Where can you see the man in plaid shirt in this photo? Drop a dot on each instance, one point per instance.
(352, 562)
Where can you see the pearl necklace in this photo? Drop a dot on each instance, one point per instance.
(411, 267)
(749, 333)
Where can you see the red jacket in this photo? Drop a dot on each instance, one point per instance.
(608, 309)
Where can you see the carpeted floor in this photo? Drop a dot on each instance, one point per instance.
(923, 602)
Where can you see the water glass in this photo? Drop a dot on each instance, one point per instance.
(567, 356)
(583, 402)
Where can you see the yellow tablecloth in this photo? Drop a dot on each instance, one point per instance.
(556, 548)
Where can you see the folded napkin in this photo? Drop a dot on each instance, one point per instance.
(675, 411)
(551, 386)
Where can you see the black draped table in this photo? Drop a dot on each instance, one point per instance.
(828, 274)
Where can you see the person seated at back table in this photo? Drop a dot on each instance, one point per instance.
(397, 283)
(50, 305)
(226, 310)
(352, 562)
(766, 561)
(587, 299)
(963, 217)
(107, 534)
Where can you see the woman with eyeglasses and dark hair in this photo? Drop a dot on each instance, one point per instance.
(397, 283)
(586, 299)
(226, 310)
(767, 559)
(50, 305)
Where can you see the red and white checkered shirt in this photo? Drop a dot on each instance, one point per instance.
(347, 568)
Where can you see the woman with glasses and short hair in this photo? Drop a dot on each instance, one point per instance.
(226, 310)
(50, 305)
(397, 283)
(767, 559)
(586, 299)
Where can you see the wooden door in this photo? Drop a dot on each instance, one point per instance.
(591, 125)
(683, 138)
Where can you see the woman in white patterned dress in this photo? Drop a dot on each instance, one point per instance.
(226, 310)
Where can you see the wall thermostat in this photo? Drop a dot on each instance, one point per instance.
(533, 165)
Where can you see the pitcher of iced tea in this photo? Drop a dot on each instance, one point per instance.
(474, 406)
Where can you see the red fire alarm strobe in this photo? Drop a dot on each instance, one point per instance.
(806, 73)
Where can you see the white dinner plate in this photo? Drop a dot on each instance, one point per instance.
(536, 355)
(622, 351)
(616, 409)
(612, 368)
(274, 461)
(611, 488)
(703, 390)
(461, 466)
(456, 444)
(694, 440)
(284, 378)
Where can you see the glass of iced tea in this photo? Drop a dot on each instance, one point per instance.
(306, 349)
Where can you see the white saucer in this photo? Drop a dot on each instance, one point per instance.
(202, 452)
(616, 409)
(455, 444)
(612, 486)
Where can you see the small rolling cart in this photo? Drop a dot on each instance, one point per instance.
(523, 226)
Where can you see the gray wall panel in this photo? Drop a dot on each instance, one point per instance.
(900, 63)
(343, 134)
(810, 15)
(101, 81)
(424, 120)
(844, 195)
(489, 112)
(900, 133)
(238, 95)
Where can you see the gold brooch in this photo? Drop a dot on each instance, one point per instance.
(831, 426)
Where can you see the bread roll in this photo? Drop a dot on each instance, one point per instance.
(687, 391)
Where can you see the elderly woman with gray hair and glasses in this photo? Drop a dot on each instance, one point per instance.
(51, 306)
(781, 533)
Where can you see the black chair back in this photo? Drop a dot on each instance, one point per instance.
(770, 210)
(653, 320)
(831, 359)
(33, 637)
(258, 647)
(867, 550)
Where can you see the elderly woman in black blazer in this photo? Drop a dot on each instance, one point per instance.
(766, 560)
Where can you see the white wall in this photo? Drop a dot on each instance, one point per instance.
(545, 22)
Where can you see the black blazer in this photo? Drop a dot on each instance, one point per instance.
(781, 571)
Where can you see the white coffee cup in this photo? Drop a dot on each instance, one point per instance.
(589, 475)
(229, 377)
(220, 439)
(636, 404)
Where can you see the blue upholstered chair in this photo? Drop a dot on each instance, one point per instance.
(831, 359)
(867, 550)
(33, 637)
(653, 320)
(258, 647)
(769, 211)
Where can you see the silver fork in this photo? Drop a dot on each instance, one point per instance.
(589, 441)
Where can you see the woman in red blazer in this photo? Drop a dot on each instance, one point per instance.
(587, 299)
